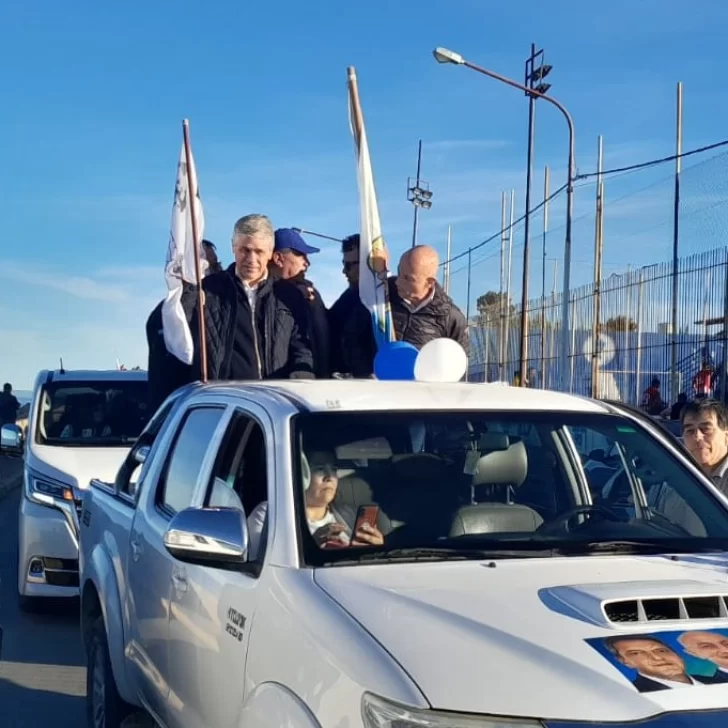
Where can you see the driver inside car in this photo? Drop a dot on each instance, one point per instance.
(330, 525)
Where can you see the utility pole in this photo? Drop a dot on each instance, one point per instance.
(598, 247)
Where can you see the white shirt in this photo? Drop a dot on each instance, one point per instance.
(251, 291)
(672, 683)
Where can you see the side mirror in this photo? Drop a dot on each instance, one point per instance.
(11, 438)
(215, 537)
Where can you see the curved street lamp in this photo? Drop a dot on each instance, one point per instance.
(443, 55)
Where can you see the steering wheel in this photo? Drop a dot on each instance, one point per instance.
(565, 521)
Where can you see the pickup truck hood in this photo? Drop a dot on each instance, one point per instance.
(77, 465)
(524, 637)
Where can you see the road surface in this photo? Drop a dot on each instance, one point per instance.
(42, 670)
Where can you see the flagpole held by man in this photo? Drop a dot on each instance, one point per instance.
(184, 263)
(373, 274)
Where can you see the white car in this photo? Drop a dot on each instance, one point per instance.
(368, 554)
(81, 425)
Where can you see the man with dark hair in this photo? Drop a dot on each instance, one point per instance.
(705, 434)
(658, 666)
(210, 252)
(347, 316)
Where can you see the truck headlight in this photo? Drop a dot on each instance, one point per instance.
(380, 713)
(48, 492)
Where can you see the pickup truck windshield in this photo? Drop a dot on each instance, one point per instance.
(92, 414)
(458, 484)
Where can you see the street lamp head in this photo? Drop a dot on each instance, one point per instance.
(443, 55)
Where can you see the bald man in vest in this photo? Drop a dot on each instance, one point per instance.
(421, 310)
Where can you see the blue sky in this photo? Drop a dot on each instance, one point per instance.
(94, 94)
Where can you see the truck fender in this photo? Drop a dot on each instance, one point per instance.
(99, 576)
(272, 705)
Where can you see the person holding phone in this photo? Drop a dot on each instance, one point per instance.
(331, 526)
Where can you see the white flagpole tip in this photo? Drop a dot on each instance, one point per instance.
(351, 71)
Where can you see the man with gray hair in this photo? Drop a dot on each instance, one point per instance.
(254, 329)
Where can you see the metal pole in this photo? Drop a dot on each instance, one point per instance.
(724, 373)
(543, 275)
(674, 384)
(598, 230)
(467, 306)
(527, 224)
(572, 346)
(510, 268)
(417, 207)
(553, 308)
(447, 263)
(638, 365)
(502, 293)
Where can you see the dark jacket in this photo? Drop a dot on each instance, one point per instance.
(277, 340)
(165, 372)
(9, 407)
(352, 342)
(317, 324)
(440, 318)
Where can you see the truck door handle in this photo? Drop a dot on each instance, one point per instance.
(136, 549)
(180, 581)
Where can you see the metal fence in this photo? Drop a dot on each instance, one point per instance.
(642, 215)
(635, 336)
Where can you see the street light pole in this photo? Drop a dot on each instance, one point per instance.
(443, 55)
(418, 193)
(534, 81)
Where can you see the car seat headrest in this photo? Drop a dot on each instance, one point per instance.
(418, 467)
(503, 467)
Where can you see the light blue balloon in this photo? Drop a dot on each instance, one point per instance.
(396, 361)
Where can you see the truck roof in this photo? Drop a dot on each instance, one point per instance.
(369, 395)
(93, 375)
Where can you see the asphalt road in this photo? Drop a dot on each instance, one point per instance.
(42, 670)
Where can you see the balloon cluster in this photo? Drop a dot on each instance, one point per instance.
(440, 360)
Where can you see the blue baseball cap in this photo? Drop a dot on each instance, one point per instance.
(288, 239)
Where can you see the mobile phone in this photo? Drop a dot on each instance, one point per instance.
(366, 514)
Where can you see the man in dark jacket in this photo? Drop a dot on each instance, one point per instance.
(421, 311)
(290, 263)
(348, 317)
(252, 330)
(9, 405)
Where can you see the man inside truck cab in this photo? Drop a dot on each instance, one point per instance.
(705, 434)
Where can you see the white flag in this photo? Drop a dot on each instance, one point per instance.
(180, 266)
(373, 286)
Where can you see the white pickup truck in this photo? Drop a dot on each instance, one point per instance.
(350, 554)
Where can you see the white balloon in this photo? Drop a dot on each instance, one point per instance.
(441, 360)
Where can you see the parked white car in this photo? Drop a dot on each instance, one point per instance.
(398, 554)
(81, 425)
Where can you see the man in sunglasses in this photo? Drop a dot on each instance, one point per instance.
(290, 263)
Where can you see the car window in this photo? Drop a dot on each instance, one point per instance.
(518, 479)
(188, 453)
(240, 479)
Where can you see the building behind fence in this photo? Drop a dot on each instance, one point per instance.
(635, 339)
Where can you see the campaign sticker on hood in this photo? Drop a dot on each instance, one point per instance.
(668, 660)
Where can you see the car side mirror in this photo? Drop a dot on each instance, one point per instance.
(216, 537)
(11, 438)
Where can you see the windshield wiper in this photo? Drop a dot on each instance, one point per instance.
(632, 547)
(441, 554)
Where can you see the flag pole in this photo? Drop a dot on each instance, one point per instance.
(192, 181)
(357, 123)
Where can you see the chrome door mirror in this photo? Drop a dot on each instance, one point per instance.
(11, 438)
(208, 536)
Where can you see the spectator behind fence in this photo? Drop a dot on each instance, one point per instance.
(421, 311)
(290, 263)
(252, 329)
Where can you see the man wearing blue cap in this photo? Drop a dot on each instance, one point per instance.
(290, 263)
